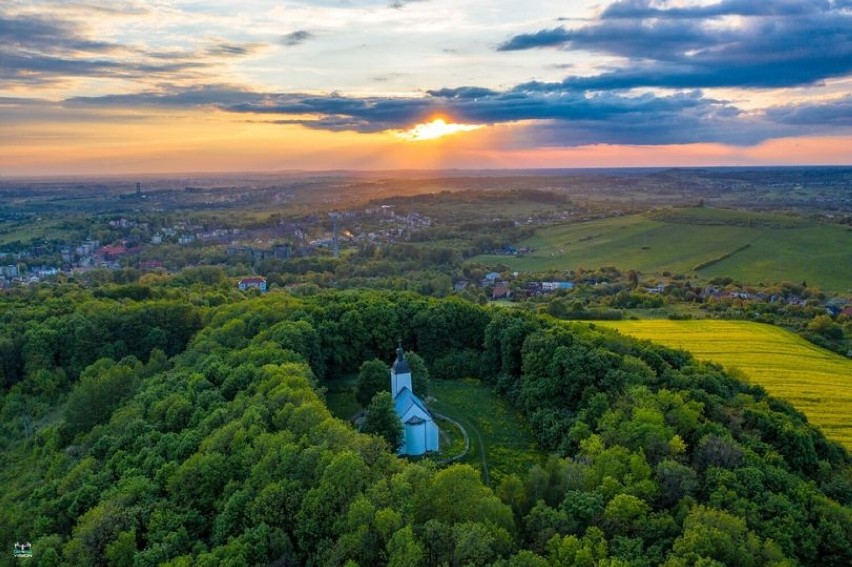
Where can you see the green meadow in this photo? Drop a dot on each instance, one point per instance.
(749, 247)
(500, 440)
(25, 231)
(814, 380)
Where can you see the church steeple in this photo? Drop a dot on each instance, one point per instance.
(400, 373)
(400, 365)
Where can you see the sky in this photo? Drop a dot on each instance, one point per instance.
(166, 86)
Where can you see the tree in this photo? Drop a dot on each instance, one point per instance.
(474, 544)
(122, 550)
(675, 481)
(825, 326)
(419, 374)
(373, 377)
(381, 420)
(710, 534)
(404, 550)
(102, 388)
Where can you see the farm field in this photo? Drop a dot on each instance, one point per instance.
(762, 247)
(815, 381)
(22, 231)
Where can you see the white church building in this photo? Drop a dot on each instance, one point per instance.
(421, 432)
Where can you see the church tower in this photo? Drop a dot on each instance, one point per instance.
(421, 431)
(400, 373)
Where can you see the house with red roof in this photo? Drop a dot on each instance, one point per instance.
(254, 282)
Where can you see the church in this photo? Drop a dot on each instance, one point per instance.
(421, 432)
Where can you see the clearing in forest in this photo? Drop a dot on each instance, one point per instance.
(500, 439)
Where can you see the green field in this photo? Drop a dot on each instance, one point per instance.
(25, 231)
(814, 380)
(779, 248)
(500, 440)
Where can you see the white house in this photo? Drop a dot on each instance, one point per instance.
(250, 283)
(421, 432)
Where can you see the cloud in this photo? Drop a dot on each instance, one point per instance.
(40, 50)
(463, 93)
(234, 49)
(830, 113)
(33, 33)
(101, 7)
(554, 117)
(41, 69)
(296, 38)
(542, 38)
(219, 95)
(397, 4)
(645, 9)
(733, 43)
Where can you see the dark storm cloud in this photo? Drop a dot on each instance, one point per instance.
(781, 43)
(296, 38)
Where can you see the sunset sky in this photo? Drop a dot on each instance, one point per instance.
(153, 86)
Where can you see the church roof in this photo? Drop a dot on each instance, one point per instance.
(400, 365)
(405, 399)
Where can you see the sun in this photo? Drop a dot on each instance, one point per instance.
(437, 128)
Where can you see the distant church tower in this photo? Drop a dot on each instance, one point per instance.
(421, 432)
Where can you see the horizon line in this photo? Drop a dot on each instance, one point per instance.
(461, 171)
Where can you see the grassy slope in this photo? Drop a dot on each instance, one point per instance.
(779, 251)
(817, 382)
(24, 231)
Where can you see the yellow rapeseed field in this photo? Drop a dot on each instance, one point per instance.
(814, 380)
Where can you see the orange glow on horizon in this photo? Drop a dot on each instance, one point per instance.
(175, 142)
(437, 128)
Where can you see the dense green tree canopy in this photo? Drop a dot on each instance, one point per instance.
(157, 428)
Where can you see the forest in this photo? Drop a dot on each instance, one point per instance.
(186, 425)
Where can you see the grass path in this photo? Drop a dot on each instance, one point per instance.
(814, 380)
(478, 446)
(501, 442)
